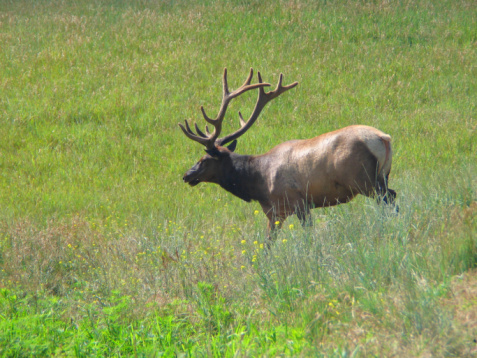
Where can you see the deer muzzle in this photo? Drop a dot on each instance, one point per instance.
(191, 177)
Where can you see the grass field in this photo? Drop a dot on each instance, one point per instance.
(105, 252)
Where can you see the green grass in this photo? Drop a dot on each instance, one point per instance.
(103, 249)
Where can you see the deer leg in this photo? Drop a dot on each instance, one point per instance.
(387, 195)
(275, 223)
(304, 215)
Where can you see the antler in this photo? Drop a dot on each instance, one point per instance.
(209, 140)
(262, 100)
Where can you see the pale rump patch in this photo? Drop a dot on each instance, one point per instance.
(386, 165)
(379, 144)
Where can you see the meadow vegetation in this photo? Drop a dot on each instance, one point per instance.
(103, 249)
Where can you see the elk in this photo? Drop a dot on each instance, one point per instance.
(297, 175)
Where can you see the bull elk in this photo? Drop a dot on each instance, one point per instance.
(297, 175)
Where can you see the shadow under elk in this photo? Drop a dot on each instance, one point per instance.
(297, 175)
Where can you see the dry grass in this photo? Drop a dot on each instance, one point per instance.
(96, 257)
(93, 262)
(462, 301)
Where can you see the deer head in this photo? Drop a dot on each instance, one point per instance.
(217, 160)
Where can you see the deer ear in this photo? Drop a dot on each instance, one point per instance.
(214, 152)
(232, 145)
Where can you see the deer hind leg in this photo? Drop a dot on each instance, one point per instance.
(386, 194)
(377, 159)
(374, 184)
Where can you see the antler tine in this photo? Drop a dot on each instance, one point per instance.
(239, 90)
(187, 127)
(191, 135)
(287, 87)
(209, 120)
(224, 81)
(279, 89)
(242, 122)
(247, 86)
(249, 78)
(259, 75)
(199, 132)
(280, 80)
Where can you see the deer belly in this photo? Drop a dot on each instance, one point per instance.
(330, 194)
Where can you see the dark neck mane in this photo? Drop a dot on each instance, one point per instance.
(242, 179)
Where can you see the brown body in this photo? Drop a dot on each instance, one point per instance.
(297, 175)
(323, 171)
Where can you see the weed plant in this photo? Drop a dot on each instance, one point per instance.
(105, 252)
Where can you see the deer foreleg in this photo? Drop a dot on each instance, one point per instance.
(304, 215)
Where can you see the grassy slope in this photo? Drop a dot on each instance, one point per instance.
(117, 254)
